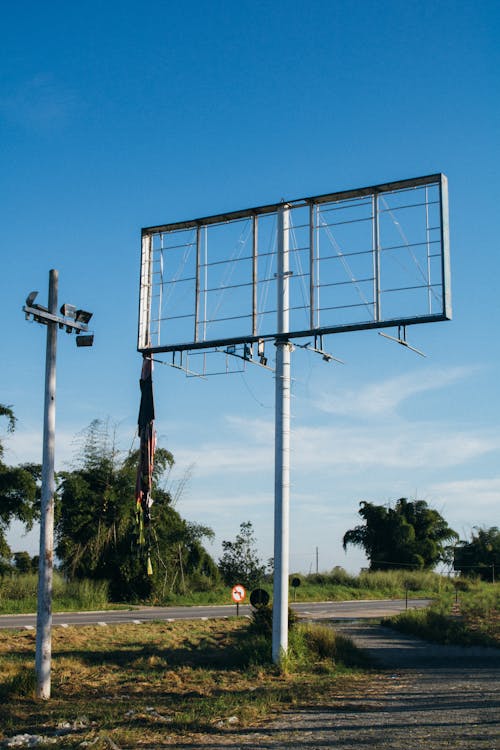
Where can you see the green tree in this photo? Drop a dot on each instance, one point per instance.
(24, 563)
(240, 562)
(480, 556)
(409, 535)
(6, 411)
(18, 491)
(97, 533)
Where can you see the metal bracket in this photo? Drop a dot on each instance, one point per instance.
(401, 339)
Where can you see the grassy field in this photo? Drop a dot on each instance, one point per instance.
(469, 615)
(129, 686)
(18, 593)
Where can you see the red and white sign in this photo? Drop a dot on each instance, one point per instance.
(238, 593)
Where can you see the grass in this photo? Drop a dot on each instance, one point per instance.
(391, 584)
(18, 593)
(148, 684)
(468, 616)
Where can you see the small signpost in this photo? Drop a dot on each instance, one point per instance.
(295, 585)
(238, 593)
(259, 598)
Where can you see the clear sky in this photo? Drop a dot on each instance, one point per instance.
(115, 116)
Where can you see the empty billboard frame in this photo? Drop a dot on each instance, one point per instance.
(359, 259)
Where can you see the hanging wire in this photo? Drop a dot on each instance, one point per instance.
(403, 236)
(271, 255)
(323, 224)
(225, 284)
(245, 383)
(301, 274)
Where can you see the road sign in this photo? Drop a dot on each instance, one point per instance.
(259, 598)
(238, 593)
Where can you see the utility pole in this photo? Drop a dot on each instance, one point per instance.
(74, 321)
(46, 559)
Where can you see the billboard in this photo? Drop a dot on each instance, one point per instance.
(366, 258)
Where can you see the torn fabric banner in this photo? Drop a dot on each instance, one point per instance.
(147, 437)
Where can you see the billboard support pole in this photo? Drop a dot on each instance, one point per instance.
(282, 447)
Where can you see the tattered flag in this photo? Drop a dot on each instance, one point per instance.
(147, 438)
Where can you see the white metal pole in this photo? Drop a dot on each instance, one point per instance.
(282, 449)
(44, 612)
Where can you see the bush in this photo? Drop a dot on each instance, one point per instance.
(262, 621)
(319, 644)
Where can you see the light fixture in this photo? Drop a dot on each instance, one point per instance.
(69, 311)
(82, 316)
(85, 340)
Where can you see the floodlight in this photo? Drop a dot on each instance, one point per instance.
(82, 316)
(69, 311)
(31, 298)
(85, 340)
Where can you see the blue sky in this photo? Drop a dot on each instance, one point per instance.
(116, 116)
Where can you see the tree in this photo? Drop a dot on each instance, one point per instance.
(480, 556)
(410, 535)
(240, 563)
(96, 530)
(18, 490)
(6, 411)
(24, 563)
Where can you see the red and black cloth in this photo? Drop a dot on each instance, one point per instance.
(147, 446)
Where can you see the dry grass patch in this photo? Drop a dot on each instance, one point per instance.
(135, 685)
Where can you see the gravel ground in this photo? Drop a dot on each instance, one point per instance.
(429, 697)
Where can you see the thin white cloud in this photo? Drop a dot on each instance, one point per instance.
(386, 396)
(41, 103)
(475, 499)
(394, 445)
(25, 446)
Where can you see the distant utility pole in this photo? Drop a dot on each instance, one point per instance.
(317, 560)
(74, 321)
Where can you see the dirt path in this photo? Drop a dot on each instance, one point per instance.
(430, 698)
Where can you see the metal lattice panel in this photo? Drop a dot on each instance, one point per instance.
(367, 258)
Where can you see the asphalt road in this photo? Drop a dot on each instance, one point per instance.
(351, 610)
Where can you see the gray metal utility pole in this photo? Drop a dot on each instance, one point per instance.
(73, 321)
(282, 448)
(46, 563)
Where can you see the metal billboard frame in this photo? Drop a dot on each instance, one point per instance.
(435, 297)
(374, 194)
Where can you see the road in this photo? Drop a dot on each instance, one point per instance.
(351, 610)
